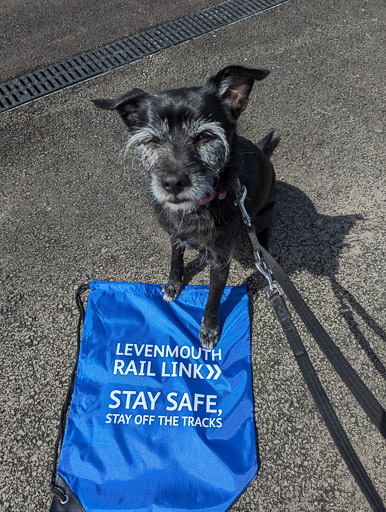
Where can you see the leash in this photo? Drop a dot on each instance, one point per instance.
(269, 267)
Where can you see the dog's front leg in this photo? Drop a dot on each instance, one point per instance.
(173, 286)
(210, 330)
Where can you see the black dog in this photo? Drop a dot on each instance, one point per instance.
(186, 139)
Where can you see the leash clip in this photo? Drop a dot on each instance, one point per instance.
(241, 195)
(261, 266)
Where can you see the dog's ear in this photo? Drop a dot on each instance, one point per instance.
(234, 84)
(127, 105)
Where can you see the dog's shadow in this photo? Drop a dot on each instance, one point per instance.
(303, 239)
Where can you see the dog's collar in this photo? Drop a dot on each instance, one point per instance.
(221, 195)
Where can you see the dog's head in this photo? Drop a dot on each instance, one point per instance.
(184, 136)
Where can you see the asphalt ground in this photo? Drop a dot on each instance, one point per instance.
(72, 211)
(37, 33)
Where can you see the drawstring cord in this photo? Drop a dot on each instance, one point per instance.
(57, 490)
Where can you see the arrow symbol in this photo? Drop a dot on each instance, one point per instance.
(211, 371)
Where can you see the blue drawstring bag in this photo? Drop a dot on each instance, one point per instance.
(156, 423)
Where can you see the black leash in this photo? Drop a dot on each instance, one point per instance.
(268, 267)
(57, 490)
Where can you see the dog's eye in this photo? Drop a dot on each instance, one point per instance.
(153, 141)
(203, 137)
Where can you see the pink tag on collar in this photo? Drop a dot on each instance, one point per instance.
(222, 195)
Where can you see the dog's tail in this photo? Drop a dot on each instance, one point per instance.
(268, 144)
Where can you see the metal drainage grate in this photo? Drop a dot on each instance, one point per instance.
(84, 66)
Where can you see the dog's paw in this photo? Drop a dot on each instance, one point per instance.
(209, 336)
(172, 289)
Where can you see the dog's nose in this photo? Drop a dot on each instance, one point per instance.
(175, 183)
